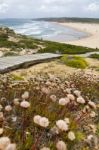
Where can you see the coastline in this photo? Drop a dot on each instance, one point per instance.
(92, 40)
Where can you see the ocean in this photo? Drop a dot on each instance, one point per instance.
(43, 30)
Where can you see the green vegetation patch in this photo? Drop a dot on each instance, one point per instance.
(10, 53)
(96, 56)
(55, 47)
(74, 61)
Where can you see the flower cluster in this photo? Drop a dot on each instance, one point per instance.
(68, 115)
(5, 144)
(41, 121)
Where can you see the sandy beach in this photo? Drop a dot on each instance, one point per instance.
(92, 40)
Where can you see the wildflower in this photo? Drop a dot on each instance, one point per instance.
(67, 100)
(93, 128)
(25, 95)
(81, 100)
(71, 136)
(60, 145)
(1, 116)
(68, 90)
(45, 148)
(4, 142)
(62, 101)
(71, 97)
(92, 104)
(45, 90)
(77, 93)
(8, 108)
(14, 119)
(67, 120)
(25, 104)
(44, 122)
(86, 109)
(48, 83)
(53, 98)
(92, 114)
(61, 124)
(55, 130)
(16, 101)
(89, 137)
(1, 107)
(11, 147)
(1, 131)
(37, 119)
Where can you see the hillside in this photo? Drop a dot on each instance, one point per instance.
(73, 19)
(12, 44)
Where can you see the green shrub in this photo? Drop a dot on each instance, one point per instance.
(54, 47)
(74, 61)
(10, 54)
(96, 56)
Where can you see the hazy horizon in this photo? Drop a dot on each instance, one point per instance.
(50, 17)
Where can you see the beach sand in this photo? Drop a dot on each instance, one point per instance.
(92, 29)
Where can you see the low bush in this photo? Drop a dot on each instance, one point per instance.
(55, 47)
(10, 53)
(96, 56)
(74, 61)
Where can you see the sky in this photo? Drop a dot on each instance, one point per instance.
(49, 8)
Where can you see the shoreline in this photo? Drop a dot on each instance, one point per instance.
(92, 40)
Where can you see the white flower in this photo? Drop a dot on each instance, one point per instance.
(37, 119)
(60, 145)
(44, 122)
(77, 93)
(1, 107)
(86, 109)
(16, 101)
(45, 148)
(61, 124)
(62, 101)
(71, 136)
(4, 142)
(67, 120)
(45, 90)
(71, 97)
(55, 130)
(25, 104)
(92, 104)
(81, 100)
(14, 119)
(89, 137)
(48, 83)
(25, 95)
(1, 116)
(11, 147)
(1, 131)
(67, 100)
(68, 90)
(92, 114)
(93, 128)
(53, 98)
(8, 108)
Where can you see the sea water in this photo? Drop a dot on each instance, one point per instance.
(43, 30)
